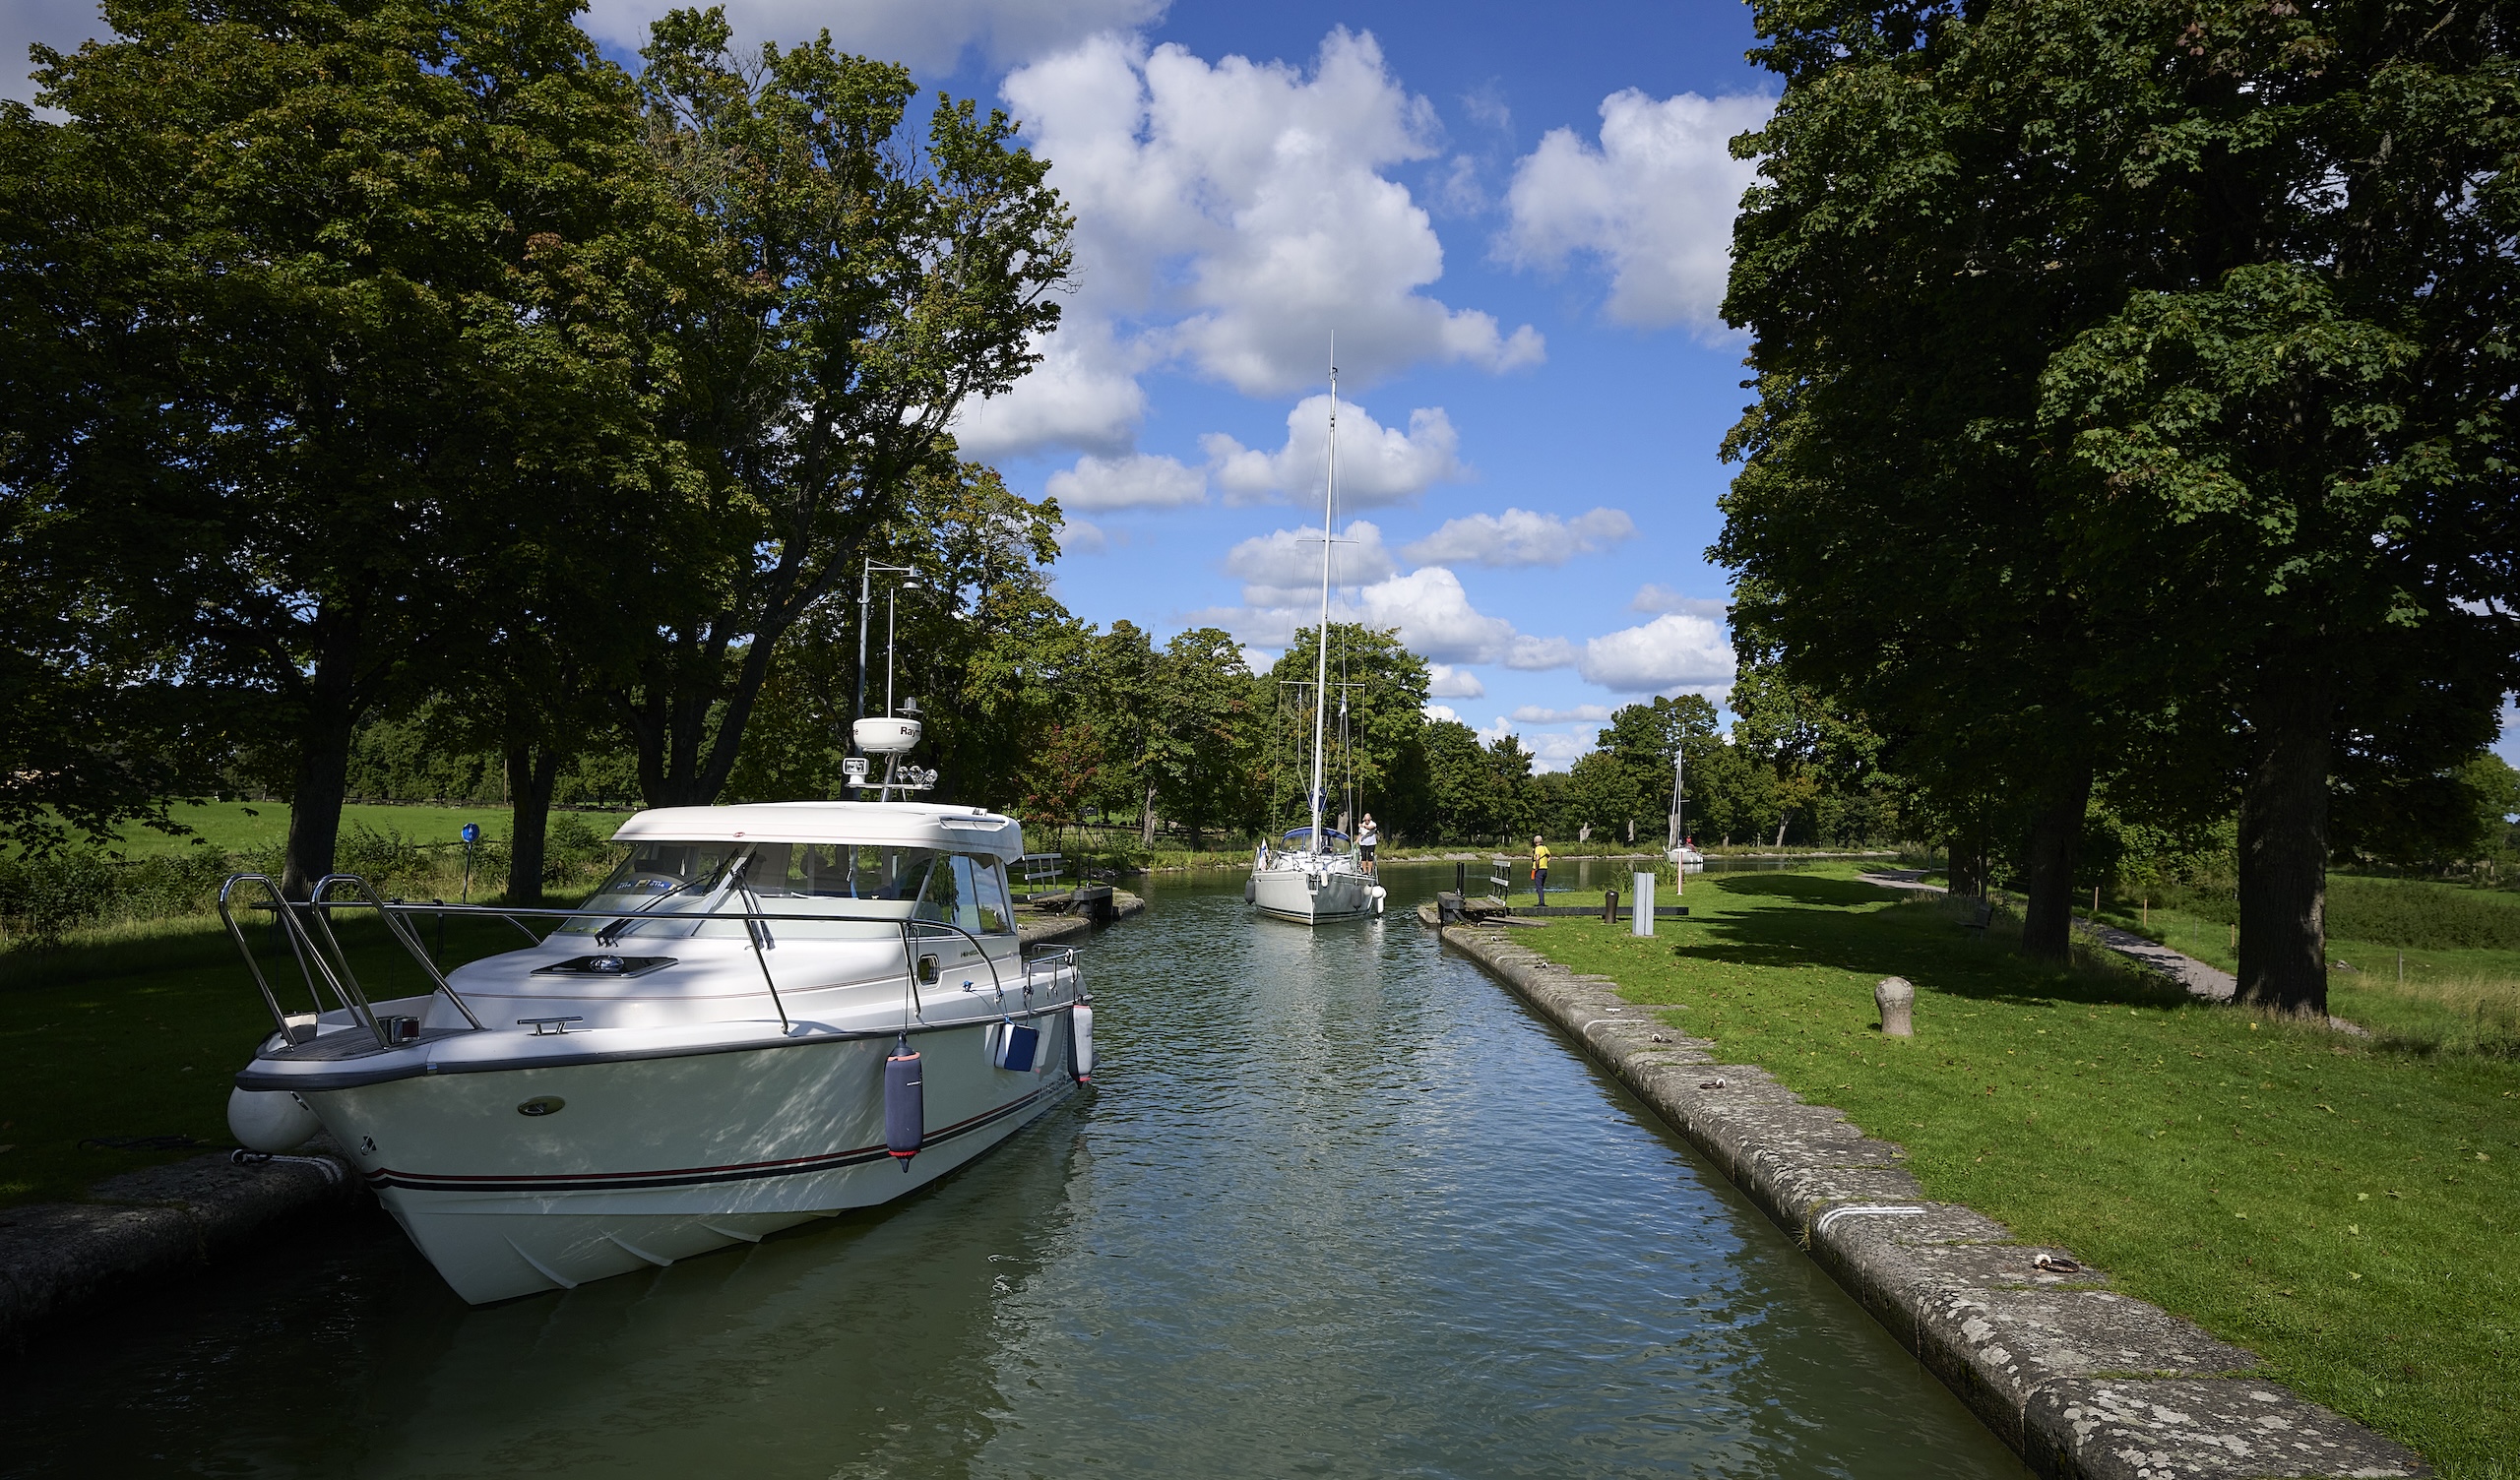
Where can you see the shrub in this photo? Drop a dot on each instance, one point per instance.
(2425, 917)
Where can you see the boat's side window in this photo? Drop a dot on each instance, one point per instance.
(875, 872)
(948, 896)
(987, 885)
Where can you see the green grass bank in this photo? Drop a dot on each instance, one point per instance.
(2343, 1207)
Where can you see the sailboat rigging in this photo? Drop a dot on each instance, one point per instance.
(1310, 877)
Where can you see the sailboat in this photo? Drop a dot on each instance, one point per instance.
(1309, 875)
(1682, 850)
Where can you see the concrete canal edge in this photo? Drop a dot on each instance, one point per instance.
(166, 1221)
(147, 1225)
(2083, 1382)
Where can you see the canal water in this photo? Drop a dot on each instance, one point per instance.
(1335, 1204)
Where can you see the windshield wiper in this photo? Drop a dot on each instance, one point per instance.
(611, 934)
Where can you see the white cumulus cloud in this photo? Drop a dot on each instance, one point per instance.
(1557, 752)
(1139, 480)
(1441, 713)
(1521, 537)
(1283, 568)
(1653, 201)
(1654, 596)
(1444, 681)
(1084, 393)
(1377, 465)
(1076, 537)
(1588, 713)
(1230, 217)
(1675, 651)
(1435, 619)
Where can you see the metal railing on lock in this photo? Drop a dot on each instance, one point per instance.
(1500, 877)
(306, 925)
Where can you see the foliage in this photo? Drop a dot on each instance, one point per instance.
(851, 289)
(264, 428)
(2134, 387)
(1374, 729)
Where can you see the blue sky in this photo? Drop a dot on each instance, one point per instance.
(1513, 217)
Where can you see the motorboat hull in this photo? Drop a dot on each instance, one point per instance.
(1315, 896)
(517, 1181)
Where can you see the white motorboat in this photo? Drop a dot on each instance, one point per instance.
(1316, 879)
(768, 1013)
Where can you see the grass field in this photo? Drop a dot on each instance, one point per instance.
(2426, 997)
(249, 827)
(2346, 1208)
(132, 1034)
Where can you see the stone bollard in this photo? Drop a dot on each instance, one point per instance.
(1894, 997)
(1610, 906)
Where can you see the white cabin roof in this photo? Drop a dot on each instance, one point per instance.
(917, 825)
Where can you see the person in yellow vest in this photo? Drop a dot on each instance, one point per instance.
(1540, 868)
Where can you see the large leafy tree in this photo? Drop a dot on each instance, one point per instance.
(1374, 726)
(2132, 384)
(858, 285)
(309, 300)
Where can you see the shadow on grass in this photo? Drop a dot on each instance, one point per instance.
(1804, 889)
(1918, 940)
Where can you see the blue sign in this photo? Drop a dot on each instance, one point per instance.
(472, 832)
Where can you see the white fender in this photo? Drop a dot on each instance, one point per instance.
(1081, 1023)
(270, 1120)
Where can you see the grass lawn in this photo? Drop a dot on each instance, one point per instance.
(244, 826)
(134, 1033)
(2345, 1208)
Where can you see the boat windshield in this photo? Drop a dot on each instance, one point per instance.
(857, 883)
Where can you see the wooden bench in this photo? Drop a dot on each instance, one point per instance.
(1979, 918)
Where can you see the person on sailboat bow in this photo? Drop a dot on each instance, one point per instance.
(1367, 836)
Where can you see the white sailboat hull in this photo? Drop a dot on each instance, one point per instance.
(1315, 894)
(653, 1159)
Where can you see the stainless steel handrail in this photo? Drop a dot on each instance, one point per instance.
(312, 960)
(403, 932)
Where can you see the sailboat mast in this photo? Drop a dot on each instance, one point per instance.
(1321, 662)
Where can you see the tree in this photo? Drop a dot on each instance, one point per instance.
(1205, 757)
(1374, 727)
(1460, 799)
(2136, 377)
(318, 295)
(1647, 739)
(854, 291)
(1602, 792)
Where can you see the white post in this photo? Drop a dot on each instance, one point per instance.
(1641, 911)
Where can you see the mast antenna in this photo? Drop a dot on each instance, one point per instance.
(1321, 662)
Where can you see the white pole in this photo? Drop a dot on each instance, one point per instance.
(1641, 911)
(1321, 662)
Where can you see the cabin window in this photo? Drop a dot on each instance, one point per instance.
(967, 892)
(989, 888)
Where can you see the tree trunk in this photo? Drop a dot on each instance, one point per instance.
(2056, 836)
(2283, 844)
(323, 761)
(530, 773)
(1781, 824)
(1146, 821)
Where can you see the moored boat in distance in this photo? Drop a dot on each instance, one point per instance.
(1316, 882)
(1312, 884)
(768, 1013)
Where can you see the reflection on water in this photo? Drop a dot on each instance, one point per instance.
(1336, 1205)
